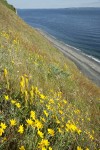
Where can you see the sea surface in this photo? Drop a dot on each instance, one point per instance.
(77, 27)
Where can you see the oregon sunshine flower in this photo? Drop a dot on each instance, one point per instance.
(51, 132)
(12, 122)
(22, 148)
(21, 129)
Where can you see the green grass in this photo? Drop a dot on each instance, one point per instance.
(36, 75)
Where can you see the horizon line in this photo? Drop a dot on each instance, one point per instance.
(61, 7)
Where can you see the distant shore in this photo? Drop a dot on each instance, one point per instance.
(86, 65)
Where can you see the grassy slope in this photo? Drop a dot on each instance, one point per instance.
(24, 51)
(4, 2)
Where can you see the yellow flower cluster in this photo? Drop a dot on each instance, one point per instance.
(42, 119)
(2, 128)
(43, 144)
(5, 35)
(29, 122)
(72, 127)
(17, 104)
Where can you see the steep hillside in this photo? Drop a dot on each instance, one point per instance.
(45, 102)
(4, 2)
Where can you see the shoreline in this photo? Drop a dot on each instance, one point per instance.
(89, 67)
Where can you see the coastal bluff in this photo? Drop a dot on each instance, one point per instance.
(4, 2)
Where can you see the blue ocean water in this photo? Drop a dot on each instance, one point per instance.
(78, 27)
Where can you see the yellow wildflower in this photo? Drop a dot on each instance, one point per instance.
(61, 112)
(44, 143)
(91, 137)
(29, 122)
(57, 121)
(3, 126)
(43, 119)
(22, 148)
(40, 134)
(48, 107)
(59, 130)
(21, 129)
(12, 122)
(23, 80)
(62, 119)
(79, 148)
(45, 112)
(26, 81)
(13, 101)
(78, 131)
(65, 101)
(6, 97)
(12, 61)
(51, 101)
(26, 96)
(93, 131)
(22, 84)
(18, 105)
(5, 72)
(51, 132)
(87, 148)
(72, 127)
(77, 111)
(43, 148)
(42, 96)
(31, 93)
(1, 131)
(32, 115)
(4, 139)
(50, 148)
(38, 124)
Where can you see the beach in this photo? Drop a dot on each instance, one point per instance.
(88, 66)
